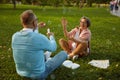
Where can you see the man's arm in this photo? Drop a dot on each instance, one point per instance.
(43, 43)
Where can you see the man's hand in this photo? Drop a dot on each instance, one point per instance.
(50, 34)
(41, 24)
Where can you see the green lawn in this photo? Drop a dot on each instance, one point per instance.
(105, 42)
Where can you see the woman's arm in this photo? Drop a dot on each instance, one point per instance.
(64, 25)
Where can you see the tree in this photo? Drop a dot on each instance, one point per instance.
(43, 2)
(89, 3)
(54, 3)
(77, 2)
(82, 3)
(14, 4)
(67, 2)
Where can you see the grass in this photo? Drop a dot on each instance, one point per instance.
(105, 42)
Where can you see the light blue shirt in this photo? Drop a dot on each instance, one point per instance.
(28, 52)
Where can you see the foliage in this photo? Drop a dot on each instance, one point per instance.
(89, 3)
(56, 3)
(102, 1)
(105, 42)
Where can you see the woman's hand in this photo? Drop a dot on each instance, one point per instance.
(64, 22)
(71, 38)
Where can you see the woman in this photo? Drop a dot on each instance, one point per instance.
(78, 38)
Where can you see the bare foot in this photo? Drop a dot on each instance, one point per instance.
(71, 55)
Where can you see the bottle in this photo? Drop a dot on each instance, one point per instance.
(48, 30)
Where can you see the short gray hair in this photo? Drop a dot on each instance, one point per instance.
(27, 17)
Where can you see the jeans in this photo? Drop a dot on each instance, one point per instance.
(111, 7)
(53, 63)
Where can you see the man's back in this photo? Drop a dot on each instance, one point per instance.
(28, 53)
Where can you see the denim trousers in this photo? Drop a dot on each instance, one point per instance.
(53, 63)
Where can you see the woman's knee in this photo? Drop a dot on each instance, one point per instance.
(61, 41)
(84, 45)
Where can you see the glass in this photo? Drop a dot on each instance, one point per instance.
(82, 22)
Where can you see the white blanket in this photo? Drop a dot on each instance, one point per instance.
(70, 64)
(100, 63)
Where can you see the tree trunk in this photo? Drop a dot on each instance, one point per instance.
(82, 3)
(89, 3)
(14, 4)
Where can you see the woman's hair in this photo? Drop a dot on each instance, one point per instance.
(87, 20)
(27, 17)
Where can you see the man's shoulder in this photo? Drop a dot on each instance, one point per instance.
(29, 34)
(38, 36)
(16, 33)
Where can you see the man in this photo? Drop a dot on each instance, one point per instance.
(28, 49)
(78, 38)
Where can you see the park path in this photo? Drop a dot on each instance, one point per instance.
(116, 13)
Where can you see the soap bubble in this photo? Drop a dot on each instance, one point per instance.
(114, 29)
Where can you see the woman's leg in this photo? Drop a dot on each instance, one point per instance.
(64, 45)
(80, 50)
